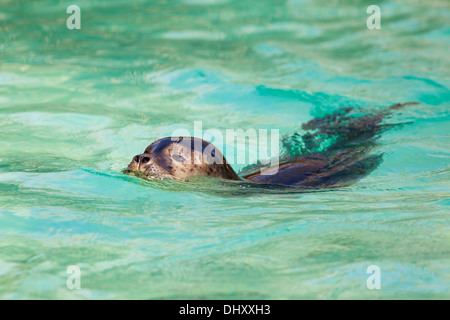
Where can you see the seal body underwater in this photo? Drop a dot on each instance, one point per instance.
(343, 162)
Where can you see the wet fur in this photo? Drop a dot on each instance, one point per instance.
(344, 162)
(178, 158)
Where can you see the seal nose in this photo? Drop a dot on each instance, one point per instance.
(141, 159)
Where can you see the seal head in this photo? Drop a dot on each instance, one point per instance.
(180, 158)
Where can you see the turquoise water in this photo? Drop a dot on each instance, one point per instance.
(77, 105)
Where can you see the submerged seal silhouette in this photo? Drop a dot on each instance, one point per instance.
(344, 162)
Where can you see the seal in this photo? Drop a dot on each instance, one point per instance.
(343, 162)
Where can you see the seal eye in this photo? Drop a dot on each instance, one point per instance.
(178, 157)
